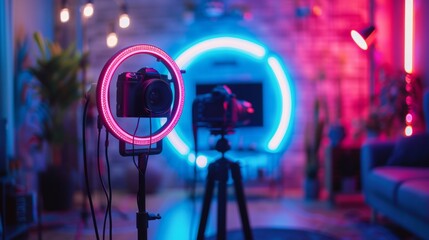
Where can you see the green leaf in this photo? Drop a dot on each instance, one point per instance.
(40, 43)
(59, 86)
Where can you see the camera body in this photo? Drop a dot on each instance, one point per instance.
(220, 110)
(145, 93)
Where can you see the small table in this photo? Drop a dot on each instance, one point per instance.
(342, 170)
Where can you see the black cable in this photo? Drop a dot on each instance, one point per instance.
(195, 136)
(3, 214)
(193, 199)
(194, 180)
(133, 145)
(99, 127)
(150, 136)
(109, 206)
(85, 164)
(150, 141)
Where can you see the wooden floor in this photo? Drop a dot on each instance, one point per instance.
(348, 219)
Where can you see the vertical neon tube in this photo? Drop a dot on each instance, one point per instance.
(408, 57)
(408, 37)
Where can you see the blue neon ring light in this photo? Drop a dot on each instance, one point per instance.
(258, 52)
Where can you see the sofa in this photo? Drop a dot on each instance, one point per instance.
(395, 181)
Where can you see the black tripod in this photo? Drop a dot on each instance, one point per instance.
(218, 172)
(142, 216)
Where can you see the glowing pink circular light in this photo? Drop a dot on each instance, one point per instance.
(103, 86)
(409, 118)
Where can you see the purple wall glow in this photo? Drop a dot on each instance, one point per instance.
(312, 40)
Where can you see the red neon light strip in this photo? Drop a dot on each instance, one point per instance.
(408, 37)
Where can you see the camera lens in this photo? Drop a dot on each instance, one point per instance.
(158, 96)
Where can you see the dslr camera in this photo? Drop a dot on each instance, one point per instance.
(220, 110)
(145, 93)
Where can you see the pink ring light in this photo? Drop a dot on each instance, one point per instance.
(103, 86)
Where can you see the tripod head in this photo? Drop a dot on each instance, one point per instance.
(223, 145)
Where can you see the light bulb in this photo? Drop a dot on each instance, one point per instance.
(201, 161)
(359, 40)
(64, 15)
(112, 40)
(408, 131)
(124, 20)
(409, 118)
(88, 9)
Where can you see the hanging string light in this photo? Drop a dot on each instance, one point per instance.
(65, 12)
(88, 9)
(112, 38)
(124, 19)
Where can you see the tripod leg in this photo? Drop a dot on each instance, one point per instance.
(221, 202)
(208, 194)
(239, 192)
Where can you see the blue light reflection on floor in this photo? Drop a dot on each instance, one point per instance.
(176, 222)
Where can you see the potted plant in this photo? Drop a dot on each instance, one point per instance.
(59, 89)
(313, 140)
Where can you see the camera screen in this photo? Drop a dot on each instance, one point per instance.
(251, 92)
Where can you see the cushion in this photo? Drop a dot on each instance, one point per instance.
(385, 181)
(413, 195)
(411, 151)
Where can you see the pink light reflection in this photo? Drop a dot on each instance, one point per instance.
(409, 118)
(103, 86)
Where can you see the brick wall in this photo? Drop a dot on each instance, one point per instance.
(317, 50)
